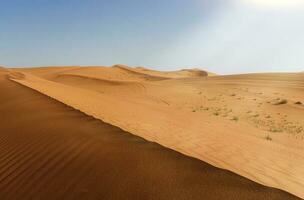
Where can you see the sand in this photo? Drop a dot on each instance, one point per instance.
(233, 122)
(49, 150)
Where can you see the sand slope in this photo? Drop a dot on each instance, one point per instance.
(51, 151)
(251, 124)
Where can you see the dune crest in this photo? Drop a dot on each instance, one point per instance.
(227, 121)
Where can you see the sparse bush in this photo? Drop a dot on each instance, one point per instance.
(268, 138)
(235, 118)
(216, 113)
(280, 102)
(275, 130)
(298, 103)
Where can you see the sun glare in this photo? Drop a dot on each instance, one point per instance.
(277, 3)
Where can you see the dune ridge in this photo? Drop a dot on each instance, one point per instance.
(192, 115)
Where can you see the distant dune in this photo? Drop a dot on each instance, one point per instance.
(251, 124)
(117, 72)
(184, 73)
(2, 68)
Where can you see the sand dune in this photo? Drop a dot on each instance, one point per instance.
(51, 151)
(116, 72)
(250, 124)
(184, 73)
(2, 69)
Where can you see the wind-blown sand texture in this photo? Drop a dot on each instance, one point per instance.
(250, 124)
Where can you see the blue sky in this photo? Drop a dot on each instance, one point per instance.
(223, 36)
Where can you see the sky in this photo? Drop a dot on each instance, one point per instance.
(222, 36)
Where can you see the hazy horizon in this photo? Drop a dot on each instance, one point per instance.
(221, 36)
(153, 68)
